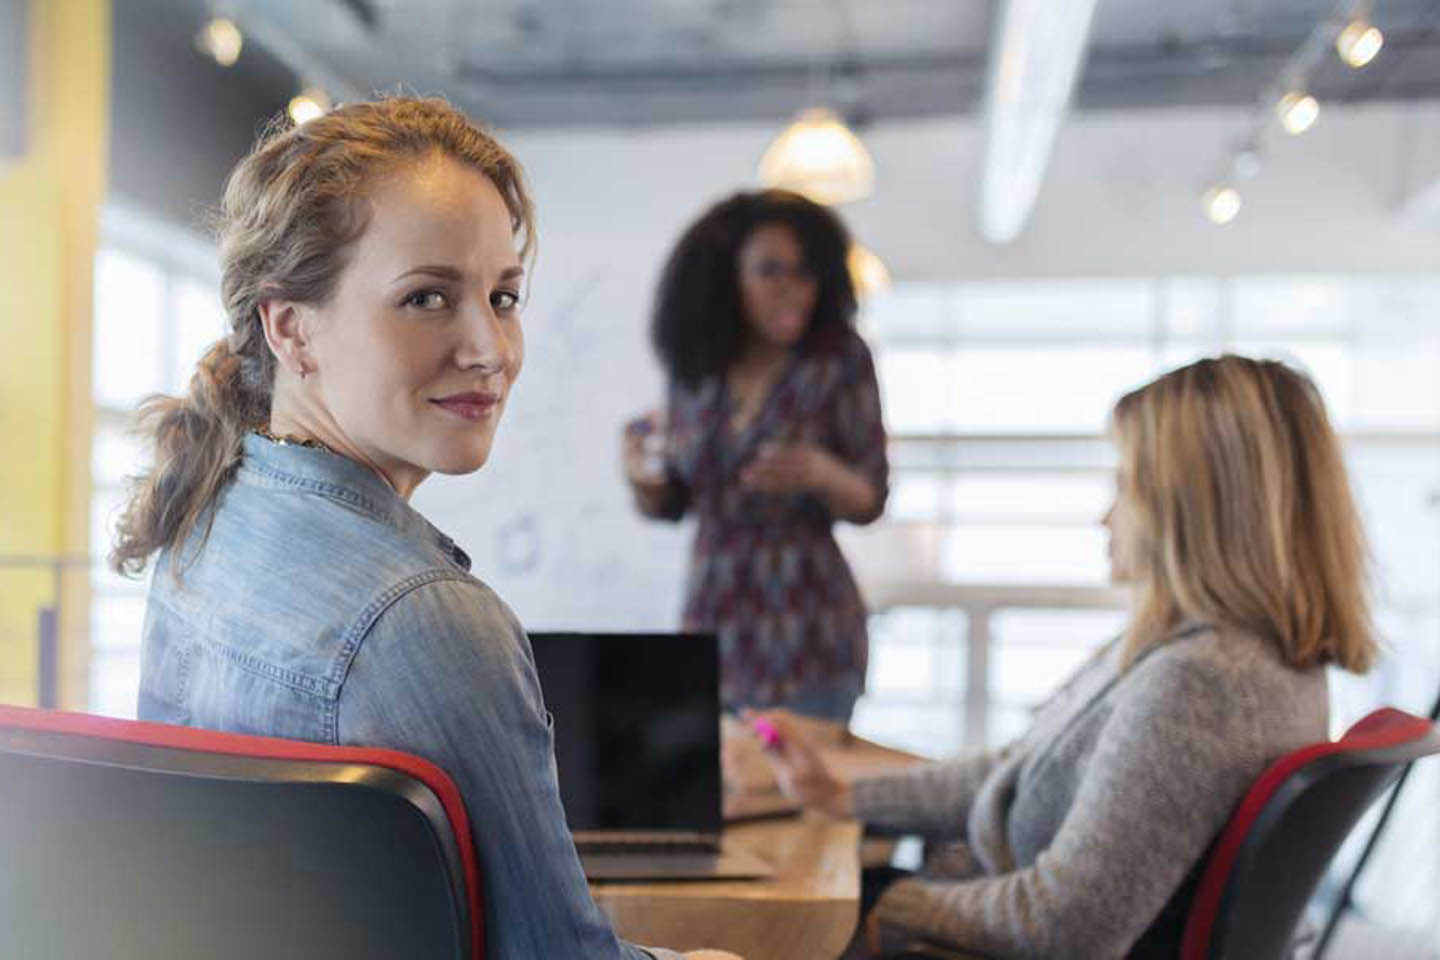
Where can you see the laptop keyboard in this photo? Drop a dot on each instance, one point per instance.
(648, 843)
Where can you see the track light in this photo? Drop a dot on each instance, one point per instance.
(1298, 111)
(1222, 203)
(221, 40)
(308, 104)
(1358, 43)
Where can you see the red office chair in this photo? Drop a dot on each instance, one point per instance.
(1280, 840)
(135, 841)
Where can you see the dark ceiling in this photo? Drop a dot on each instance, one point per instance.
(522, 63)
(536, 63)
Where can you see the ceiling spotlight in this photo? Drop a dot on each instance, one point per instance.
(222, 40)
(308, 104)
(819, 156)
(1358, 43)
(1298, 111)
(1222, 204)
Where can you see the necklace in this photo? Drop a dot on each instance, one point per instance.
(285, 440)
(289, 441)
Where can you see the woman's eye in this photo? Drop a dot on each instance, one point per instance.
(778, 269)
(505, 299)
(428, 300)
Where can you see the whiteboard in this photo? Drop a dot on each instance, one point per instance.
(548, 521)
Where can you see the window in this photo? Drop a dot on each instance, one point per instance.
(997, 395)
(157, 308)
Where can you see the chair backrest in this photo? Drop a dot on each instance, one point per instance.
(132, 840)
(1278, 843)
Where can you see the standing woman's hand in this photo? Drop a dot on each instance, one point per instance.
(802, 467)
(798, 467)
(639, 441)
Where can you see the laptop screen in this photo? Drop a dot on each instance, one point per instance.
(637, 728)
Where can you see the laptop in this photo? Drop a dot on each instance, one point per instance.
(637, 747)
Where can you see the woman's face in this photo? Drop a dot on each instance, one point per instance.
(777, 287)
(414, 355)
(1119, 522)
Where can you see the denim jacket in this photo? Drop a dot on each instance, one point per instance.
(322, 607)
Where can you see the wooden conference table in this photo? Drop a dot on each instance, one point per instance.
(808, 910)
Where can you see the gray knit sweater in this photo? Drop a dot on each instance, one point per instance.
(1084, 827)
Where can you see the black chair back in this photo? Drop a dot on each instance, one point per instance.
(1281, 839)
(131, 841)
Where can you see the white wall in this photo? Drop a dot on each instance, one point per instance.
(548, 522)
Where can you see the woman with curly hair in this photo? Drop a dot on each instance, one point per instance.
(772, 433)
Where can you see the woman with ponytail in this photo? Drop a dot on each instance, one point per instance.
(371, 274)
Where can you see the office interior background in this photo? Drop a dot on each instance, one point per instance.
(1056, 203)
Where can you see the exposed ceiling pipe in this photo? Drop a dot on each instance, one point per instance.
(1036, 55)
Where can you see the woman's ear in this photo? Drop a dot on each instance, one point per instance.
(286, 335)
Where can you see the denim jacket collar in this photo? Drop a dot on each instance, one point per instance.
(340, 478)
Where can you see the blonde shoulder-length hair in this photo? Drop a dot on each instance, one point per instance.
(1243, 512)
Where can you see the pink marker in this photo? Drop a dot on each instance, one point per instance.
(767, 733)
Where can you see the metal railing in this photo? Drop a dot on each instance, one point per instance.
(46, 636)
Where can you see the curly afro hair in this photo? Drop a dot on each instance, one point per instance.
(698, 323)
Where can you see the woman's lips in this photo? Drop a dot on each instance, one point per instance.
(469, 406)
(791, 322)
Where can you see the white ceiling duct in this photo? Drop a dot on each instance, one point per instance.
(1035, 60)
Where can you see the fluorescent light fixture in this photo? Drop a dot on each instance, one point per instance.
(819, 156)
(1222, 204)
(1034, 64)
(1358, 43)
(1298, 111)
(222, 40)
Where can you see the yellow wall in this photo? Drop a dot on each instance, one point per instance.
(49, 210)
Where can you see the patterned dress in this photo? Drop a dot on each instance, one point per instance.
(766, 574)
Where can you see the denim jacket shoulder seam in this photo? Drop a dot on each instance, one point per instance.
(361, 626)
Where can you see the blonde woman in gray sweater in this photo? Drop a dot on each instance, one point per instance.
(1234, 528)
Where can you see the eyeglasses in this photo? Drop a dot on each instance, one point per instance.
(772, 269)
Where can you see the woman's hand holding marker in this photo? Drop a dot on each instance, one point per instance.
(800, 772)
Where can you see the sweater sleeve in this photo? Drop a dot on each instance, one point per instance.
(933, 799)
(1176, 754)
